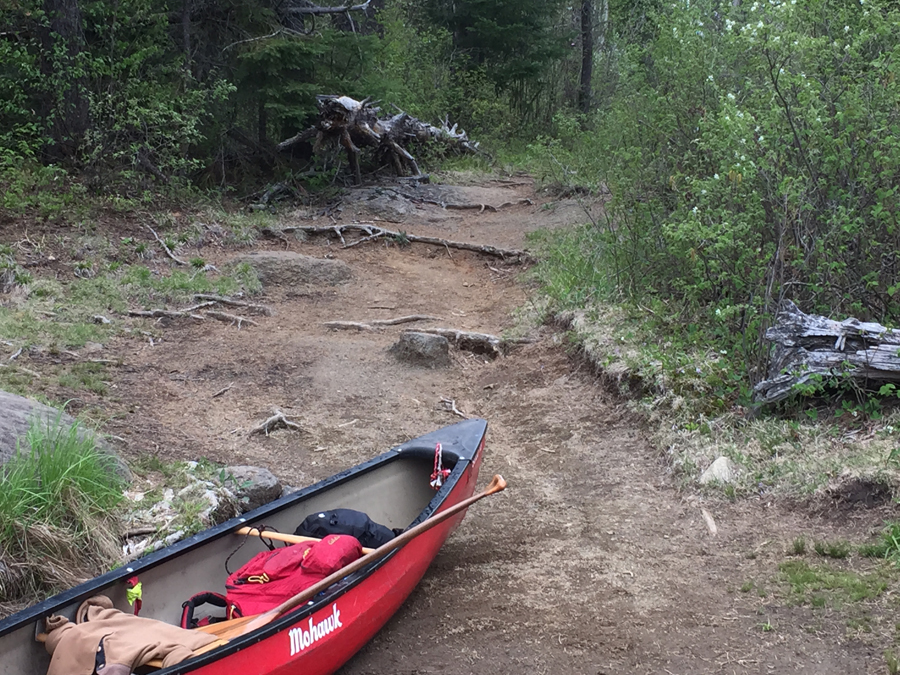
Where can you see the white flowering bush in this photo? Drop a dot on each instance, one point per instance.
(753, 154)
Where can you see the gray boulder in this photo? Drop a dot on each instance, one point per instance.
(18, 413)
(253, 486)
(422, 349)
(285, 268)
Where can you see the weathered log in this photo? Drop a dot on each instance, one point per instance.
(808, 347)
(356, 124)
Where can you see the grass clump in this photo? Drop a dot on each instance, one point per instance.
(832, 549)
(57, 494)
(822, 584)
(888, 545)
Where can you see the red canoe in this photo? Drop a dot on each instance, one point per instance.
(320, 636)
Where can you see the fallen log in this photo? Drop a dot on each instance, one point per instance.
(356, 124)
(809, 347)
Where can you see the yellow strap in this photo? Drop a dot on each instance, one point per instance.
(258, 579)
(133, 594)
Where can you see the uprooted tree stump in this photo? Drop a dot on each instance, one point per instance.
(356, 124)
(808, 347)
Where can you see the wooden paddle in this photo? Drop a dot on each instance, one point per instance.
(228, 630)
(287, 538)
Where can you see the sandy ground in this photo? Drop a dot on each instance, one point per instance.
(590, 563)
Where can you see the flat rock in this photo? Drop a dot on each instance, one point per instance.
(285, 268)
(17, 413)
(253, 486)
(722, 470)
(422, 349)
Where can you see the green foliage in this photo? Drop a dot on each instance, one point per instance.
(832, 549)
(750, 156)
(54, 495)
(888, 545)
(59, 465)
(818, 584)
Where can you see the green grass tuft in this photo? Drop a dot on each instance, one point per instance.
(56, 497)
(815, 584)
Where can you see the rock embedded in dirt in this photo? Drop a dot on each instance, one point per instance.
(17, 413)
(422, 349)
(285, 268)
(722, 470)
(253, 486)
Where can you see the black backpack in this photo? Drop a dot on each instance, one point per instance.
(345, 521)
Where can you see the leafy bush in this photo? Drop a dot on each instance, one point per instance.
(752, 155)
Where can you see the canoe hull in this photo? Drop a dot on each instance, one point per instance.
(323, 642)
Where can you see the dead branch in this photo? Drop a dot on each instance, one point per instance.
(138, 532)
(164, 314)
(222, 391)
(348, 325)
(375, 232)
(16, 355)
(262, 309)
(165, 248)
(276, 421)
(449, 405)
(231, 318)
(316, 11)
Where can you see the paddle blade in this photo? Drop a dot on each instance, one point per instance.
(497, 484)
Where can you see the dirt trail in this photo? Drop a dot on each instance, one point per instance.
(589, 563)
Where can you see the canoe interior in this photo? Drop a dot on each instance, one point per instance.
(392, 489)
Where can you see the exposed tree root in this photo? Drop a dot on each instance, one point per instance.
(166, 248)
(231, 318)
(374, 232)
(262, 309)
(164, 314)
(208, 301)
(377, 323)
(276, 421)
(348, 325)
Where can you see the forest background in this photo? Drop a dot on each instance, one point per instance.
(747, 153)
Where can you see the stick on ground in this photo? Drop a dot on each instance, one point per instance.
(276, 421)
(231, 318)
(166, 248)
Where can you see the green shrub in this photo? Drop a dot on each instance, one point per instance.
(752, 155)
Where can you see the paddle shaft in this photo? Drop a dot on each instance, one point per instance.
(238, 627)
(287, 538)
